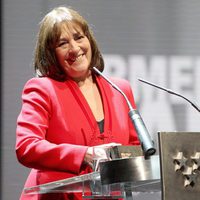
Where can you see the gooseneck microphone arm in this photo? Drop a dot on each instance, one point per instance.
(114, 86)
(143, 135)
(170, 91)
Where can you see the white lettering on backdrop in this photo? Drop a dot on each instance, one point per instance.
(160, 110)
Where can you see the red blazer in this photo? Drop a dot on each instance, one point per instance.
(56, 126)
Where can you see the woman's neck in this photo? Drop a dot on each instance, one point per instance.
(85, 80)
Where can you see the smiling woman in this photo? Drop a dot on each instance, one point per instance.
(58, 126)
(74, 51)
(64, 28)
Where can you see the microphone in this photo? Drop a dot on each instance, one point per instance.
(145, 140)
(170, 91)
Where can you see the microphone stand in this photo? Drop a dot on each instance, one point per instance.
(146, 142)
(169, 91)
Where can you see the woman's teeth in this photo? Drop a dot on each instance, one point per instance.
(75, 58)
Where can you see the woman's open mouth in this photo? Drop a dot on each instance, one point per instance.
(78, 58)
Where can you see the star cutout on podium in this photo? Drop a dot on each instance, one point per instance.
(196, 161)
(190, 177)
(180, 161)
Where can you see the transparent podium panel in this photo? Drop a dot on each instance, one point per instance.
(115, 180)
(89, 185)
(99, 191)
(74, 184)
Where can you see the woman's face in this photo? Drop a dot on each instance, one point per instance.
(73, 51)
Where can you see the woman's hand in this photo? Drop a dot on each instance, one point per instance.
(88, 159)
(98, 153)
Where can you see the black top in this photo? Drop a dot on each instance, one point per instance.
(101, 125)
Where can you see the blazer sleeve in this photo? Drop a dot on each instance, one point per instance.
(32, 149)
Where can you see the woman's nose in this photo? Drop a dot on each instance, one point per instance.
(74, 50)
(74, 46)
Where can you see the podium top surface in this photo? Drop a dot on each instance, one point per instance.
(135, 169)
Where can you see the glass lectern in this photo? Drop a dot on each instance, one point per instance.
(116, 179)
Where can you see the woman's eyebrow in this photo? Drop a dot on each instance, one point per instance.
(63, 39)
(78, 33)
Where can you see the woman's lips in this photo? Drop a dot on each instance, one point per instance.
(74, 59)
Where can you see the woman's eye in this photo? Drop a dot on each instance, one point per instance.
(62, 44)
(79, 37)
